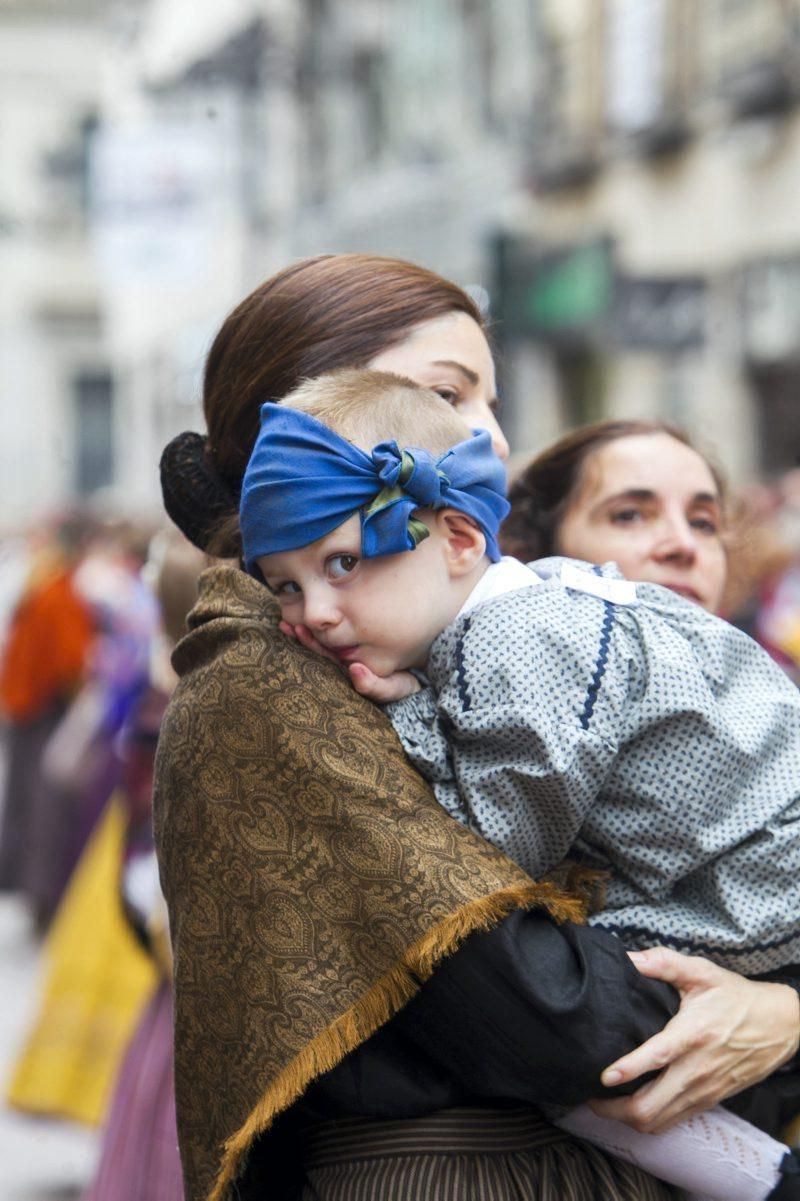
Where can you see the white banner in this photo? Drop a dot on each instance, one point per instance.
(158, 192)
(635, 63)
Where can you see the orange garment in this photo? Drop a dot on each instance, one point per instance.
(47, 648)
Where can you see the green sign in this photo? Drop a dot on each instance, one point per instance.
(571, 289)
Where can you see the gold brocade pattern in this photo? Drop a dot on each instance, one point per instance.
(312, 879)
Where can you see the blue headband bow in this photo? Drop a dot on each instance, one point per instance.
(303, 481)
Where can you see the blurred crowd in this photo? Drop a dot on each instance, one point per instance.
(89, 613)
(763, 595)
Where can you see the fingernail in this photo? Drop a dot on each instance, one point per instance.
(611, 1077)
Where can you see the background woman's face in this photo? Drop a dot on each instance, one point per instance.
(451, 356)
(651, 504)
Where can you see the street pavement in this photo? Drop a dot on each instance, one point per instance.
(40, 1160)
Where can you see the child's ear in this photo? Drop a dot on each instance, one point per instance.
(465, 542)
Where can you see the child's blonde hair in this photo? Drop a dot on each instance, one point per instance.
(368, 407)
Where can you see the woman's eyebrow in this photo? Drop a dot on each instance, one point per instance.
(467, 372)
(647, 495)
(640, 494)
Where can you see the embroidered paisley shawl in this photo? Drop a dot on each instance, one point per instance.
(312, 880)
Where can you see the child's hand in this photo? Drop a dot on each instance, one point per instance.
(380, 689)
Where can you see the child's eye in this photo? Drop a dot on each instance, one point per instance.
(341, 565)
(287, 588)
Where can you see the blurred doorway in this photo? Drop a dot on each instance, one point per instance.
(581, 385)
(776, 388)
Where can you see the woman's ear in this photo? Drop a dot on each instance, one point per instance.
(465, 543)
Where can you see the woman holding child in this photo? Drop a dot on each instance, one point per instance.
(316, 890)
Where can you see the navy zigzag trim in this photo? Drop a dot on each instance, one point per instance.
(461, 671)
(680, 944)
(600, 666)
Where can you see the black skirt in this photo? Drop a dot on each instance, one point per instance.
(466, 1155)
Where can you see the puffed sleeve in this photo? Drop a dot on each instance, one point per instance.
(530, 1011)
(536, 1011)
(520, 737)
(418, 724)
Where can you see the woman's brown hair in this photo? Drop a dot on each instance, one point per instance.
(542, 493)
(314, 316)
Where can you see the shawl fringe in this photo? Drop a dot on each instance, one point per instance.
(388, 995)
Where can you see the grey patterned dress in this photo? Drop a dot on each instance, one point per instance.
(571, 710)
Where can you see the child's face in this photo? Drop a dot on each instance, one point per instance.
(383, 612)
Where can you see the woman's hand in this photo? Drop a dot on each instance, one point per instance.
(381, 689)
(729, 1033)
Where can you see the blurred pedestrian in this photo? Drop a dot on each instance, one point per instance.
(139, 1159)
(43, 665)
(97, 977)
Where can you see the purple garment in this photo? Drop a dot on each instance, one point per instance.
(32, 818)
(139, 1158)
(103, 780)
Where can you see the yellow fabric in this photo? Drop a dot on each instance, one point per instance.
(96, 984)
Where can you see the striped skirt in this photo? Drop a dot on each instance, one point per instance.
(466, 1155)
(139, 1160)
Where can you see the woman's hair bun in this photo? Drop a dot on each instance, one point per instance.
(195, 496)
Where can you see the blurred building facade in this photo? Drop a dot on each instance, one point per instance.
(237, 137)
(656, 267)
(55, 373)
(164, 157)
(620, 174)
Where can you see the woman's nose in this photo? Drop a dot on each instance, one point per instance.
(678, 540)
(483, 418)
(501, 447)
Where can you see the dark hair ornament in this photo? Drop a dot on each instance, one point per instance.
(195, 496)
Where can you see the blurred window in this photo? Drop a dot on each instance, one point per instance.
(501, 66)
(650, 62)
(368, 72)
(573, 33)
(312, 91)
(65, 167)
(770, 340)
(776, 388)
(635, 66)
(94, 431)
(746, 32)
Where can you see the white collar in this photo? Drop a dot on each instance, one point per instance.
(506, 576)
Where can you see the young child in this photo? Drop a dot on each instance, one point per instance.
(563, 707)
